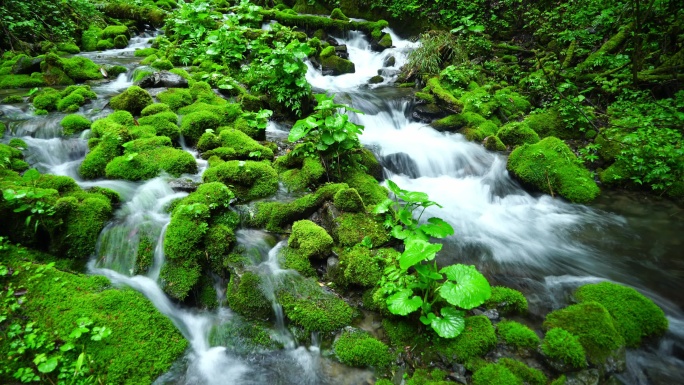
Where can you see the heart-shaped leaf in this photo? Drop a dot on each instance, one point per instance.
(404, 302)
(417, 251)
(450, 324)
(466, 287)
(438, 228)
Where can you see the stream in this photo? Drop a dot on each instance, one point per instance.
(542, 246)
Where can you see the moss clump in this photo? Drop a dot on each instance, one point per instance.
(516, 133)
(493, 143)
(164, 124)
(517, 335)
(476, 340)
(443, 97)
(349, 200)
(507, 301)
(528, 375)
(13, 99)
(46, 99)
(495, 374)
(309, 306)
(335, 65)
(357, 348)
(551, 162)
(175, 98)
(425, 377)
(299, 172)
(80, 68)
(367, 186)
(113, 31)
(337, 14)
(144, 52)
(148, 163)
(275, 215)
(352, 228)
(244, 296)
(162, 64)
(36, 79)
(74, 123)
(635, 315)
(194, 124)
(105, 44)
(310, 239)
(550, 123)
(235, 145)
(107, 148)
(564, 347)
(594, 326)
(155, 108)
(510, 103)
(250, 180)
(89, 38)
(296, 260)
(120, 41)
(226, 112)
(133, 100)
(359, 267)
(58, 299)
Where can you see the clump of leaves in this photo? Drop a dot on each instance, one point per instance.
(417, 283)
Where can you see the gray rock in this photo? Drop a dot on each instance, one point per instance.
(584, 377)
(390, 61)
(183, 185)
(426, 113)
(163, 79)
(400, 163)
(26, 65)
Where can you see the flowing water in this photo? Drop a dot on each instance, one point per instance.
(543, 246)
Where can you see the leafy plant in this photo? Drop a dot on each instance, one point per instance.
(30, 200)
(258, 120)
(328, 133)
(417, 283)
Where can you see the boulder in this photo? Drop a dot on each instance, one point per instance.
(163, 79)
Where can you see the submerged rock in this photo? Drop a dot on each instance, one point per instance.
(163, 79)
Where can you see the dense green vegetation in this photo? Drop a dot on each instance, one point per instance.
(584, 95)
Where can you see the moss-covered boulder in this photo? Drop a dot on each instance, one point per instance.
(164, 124)
(310, 239)
(335, 65)
(133, 100)
(507, 301)
(358, 266)
(248, 179)
(517, 133)
(351, 228)
(517, 335)
(299, 172)
(493, 143)
(360, 349)
(476, 340)
(149, 162)
(594, 326)
(550, 164)
(244, 296)
(563, 350)
(176, 98)
(527, 374)
(232, 145)
(635, 316)
(349, 200)
(194, 124)
(492, 374)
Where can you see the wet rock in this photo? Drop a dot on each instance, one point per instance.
(492, 314)
(390, 61)
(426, 113)
(616, 362)
(584, 377)
(184, 185)
(376, 79)
(163, 79)
(341, 51)
(26, 65)
(400, 163)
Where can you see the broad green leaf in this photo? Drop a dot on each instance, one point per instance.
(406, 217)
(399, 232)
(301, 128)
(66, 347)
(450, 324)
(438, 228)
(427, 320)
(340, 136)
(428, 272)
(79, 362)
(470, 289)
(383, 206)
(327, 138)
(416, 252)
(416, 196)
(402, 303)
(394, 188)
(49, 365)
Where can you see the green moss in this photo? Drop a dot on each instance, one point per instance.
(516, 133)
(297, 260)
(144, 52)
(83, 222)
(511, 104)
(201, 91)
(635, 315)
(425, 377)
(308, 306)
(507, 301)
(359, 267)
(46, 99)
(140, 73)
(81, 69)
(114, 31)
(400, 332)
(517, 335)
(175, 98)
(349, 200)
(17, 143)
(194, 124)
(310, 239)
(149, 60)
(559, 381)
(336, 65)
(337, 14)
(120, 41)
(493, 143)
(551, 162)
(594, 326)
(226, 112)
(275, 215)
(58, 299)
(385, 41)
(368, 188)
(528, 375)
(164, 124)
(89, 38)
(13, 99)
(564, 347)
(162, 64)
(249, 180)
(476, 340)
(352, 228)
(495, 374)
(426, 97)
(299, 172)
(357, 348)
(104, 44)
(116, 70)
(154, 109)
(22, 81)
(74, 123)
(95, 161)
(244, 296)
(71, 103)
(133, 100)
(150, 162)
(236, 145)
(549, 123)
(444, 98)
